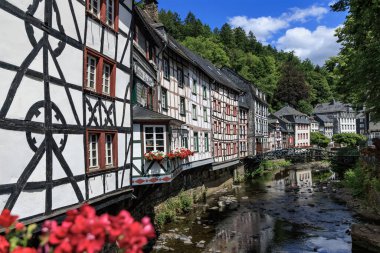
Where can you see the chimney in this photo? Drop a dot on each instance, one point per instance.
(151, 7)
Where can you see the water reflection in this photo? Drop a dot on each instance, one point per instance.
(278, 214)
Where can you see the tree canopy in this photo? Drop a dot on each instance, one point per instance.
(349, 139)
(319, 139)
(356, 68)
(267, 68)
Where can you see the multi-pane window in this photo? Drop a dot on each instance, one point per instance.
(194, 112)
(204, 92)
(206, 142)
(101, 150)
(94, 7)
(154, 138)
(164, 99)
(93, 151)
(184, 142)
(180, 77)
(205, 116)
(106, 78)
(109, 147)
(105, 11)
(91, 72)
(99, 76)
(166, 68)
(182, 106)
(196, 142)
(194, 88)
(110, 12)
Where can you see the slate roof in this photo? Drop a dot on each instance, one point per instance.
(147, 22)
(210, 69)
(288, 111)
(141, 114)
(324, 118)
(243, 84)
(332, 107)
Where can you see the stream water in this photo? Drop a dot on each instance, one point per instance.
(281, 212)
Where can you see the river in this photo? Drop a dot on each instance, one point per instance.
(281, 212)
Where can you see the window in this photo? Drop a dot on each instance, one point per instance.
(93, 151)
(101, 150)
(204, 92)
(166, 68)
(182, 106)
(195, 116)
(219, 106)
(164, 99)
(154, 138)
(216, 150)
(184, 142)
(94, 7)
(91, 72)
(228, 131)
(104, 10)
(100, 74)
(106, 78)
(205, 116)
(196, 142)
(194, 88)
(110, 12)
(109, 144)
(180, 77)
(228, 109)
(206, 142)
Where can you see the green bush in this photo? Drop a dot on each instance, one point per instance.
(319, 139)
(168, 210)
(267, 166)
(355, 180)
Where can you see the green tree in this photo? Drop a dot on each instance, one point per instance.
(226, 36)
(292, 85)
(241, 40)
(349, 139)
(319, 139)
(359, 63)
(172, 22)
(209, 49)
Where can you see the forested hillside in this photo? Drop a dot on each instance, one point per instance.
(281, 75)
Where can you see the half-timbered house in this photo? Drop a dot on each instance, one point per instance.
(65, 115)
(181, 100)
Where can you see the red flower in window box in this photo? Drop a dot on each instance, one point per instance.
(6, 219)
(4, 245)
(154, 156)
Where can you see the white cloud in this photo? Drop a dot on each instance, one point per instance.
(298, 14)
(265, 27)
(317, 45)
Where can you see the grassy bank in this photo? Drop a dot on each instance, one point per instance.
(364, 183)
(267, 167)
(172, 207)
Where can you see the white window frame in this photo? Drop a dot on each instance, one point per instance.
(109, 149)
(112, 21)
(91, 9)
(194, 112)
(106, 79)
(205, 115)
(91, 58)
(154, 136)
(90, 151)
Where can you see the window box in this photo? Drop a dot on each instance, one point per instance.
(101, 150)
(100, 73)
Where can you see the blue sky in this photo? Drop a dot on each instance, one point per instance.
(306, 27)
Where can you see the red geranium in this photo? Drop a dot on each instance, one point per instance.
(24, 250)
(4, 245)
(6, 219)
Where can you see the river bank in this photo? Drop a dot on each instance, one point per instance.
(268, 215)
